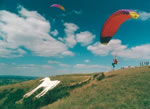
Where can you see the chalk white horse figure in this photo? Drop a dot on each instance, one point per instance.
(47, 84)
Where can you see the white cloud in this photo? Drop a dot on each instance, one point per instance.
(85, 38)
(144, 15)
(46, 66)
(54, 33)
(89, 68)
(31, 66)
(68, 53)
(100, 49)
(72, 38)
(53, 62)
(30, 30)
(64, 65)
(70, 30)
(61, 39)
(116, 48)
(25, 69)
(138, 52)
(85, 66)
(77, 12)
(86, 60)
(58, 63)
(8, 52)
(30, 14)
(51, 68)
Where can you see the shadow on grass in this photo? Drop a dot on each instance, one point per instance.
(11, 98)
(98, 76)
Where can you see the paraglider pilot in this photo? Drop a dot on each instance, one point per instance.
(115, 61)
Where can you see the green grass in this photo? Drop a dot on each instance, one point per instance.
(122, 89)
(11, 95)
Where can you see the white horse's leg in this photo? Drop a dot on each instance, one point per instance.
(43, 93)
(31, 92)
(46, 90)
(39, 95)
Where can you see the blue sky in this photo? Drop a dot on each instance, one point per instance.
(37, 40)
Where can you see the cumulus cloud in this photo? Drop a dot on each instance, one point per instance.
(138, 52)
(85, 38)
(72, 37)
(116, 48)
(30, 30)
(100, 49)
(70, 30)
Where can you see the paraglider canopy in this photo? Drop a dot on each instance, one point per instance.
(58, 6)
(113, 23)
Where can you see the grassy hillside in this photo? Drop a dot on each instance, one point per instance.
(121, 89)
(11, 95)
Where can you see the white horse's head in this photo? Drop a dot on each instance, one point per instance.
(46, 79)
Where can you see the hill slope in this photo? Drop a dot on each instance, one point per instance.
(124, 89)
(11, 95)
